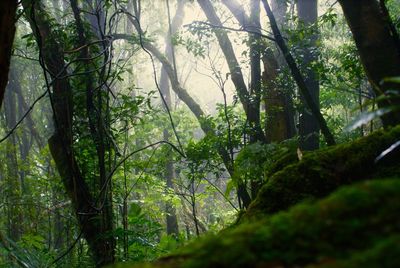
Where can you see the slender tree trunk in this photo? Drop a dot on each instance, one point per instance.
(171, 219)
(191, 103)
(255, 72)
(13, 180)
(250, 103)
(307, 11)
(378, 46)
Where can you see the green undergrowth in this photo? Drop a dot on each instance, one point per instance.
(352, 227)
(333, 208)
(319, 173)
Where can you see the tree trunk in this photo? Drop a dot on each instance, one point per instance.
(90, 217)
(279, 112)
(8, 9)
(277, 128)
(171, 219)
(250, 104)
(190, 102)
(378, 48)
(96, 112)
(307, 11)
(13, 180)
(297, 76)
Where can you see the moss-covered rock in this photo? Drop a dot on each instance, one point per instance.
(321, 172)
(354, 224)
(384, 253)
(292, 222)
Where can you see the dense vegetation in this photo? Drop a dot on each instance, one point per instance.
(177, 133)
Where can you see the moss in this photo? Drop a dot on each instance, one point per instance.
(384, 253)
(339, 229)
(321, 172)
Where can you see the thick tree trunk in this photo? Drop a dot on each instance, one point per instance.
(279, 111)
(277, 127)
(90, 217)
(96, 114)
(297, 76)
(307, 11)
(378, 48)
(8, 9)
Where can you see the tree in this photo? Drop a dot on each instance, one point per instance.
(95, 222)
(173, 25)
(298, 77)
(250, 99)
(279, 110)
(8, 10)
(378, 45)
(307, 11)
(183, 95)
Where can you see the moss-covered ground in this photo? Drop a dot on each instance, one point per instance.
(333, 208)
(321, 172)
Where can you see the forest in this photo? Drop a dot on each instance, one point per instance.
(199, 133)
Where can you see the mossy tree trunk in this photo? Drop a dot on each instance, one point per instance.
(279, 112)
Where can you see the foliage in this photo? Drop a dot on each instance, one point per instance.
(40, 225)
(315, 234)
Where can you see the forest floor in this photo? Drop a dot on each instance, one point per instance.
(334, 207)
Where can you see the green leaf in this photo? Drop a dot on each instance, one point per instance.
(229, 187)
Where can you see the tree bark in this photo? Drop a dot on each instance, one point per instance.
(97, 125)
(60, 144)
(307, 11)
(277, 128)
(378, 48)
(298, 76)
(279, 111)
(8, 9)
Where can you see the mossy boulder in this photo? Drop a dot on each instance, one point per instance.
(320, 172)
(353, 227)
(384, 253)
(333, 208)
